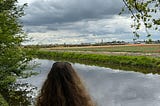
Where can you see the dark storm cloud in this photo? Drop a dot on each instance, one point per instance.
(43, 12)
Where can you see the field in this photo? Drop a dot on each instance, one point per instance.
(134, 57)
(130, 49)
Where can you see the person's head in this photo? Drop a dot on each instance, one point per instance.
(63, 87)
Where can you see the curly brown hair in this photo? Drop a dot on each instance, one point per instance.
(63, 87)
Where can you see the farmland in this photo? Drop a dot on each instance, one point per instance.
(132, 49)
(141, 58)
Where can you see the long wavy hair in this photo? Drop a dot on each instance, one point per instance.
(63, 87)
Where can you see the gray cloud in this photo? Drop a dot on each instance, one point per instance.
(43, 12)
(77, 21)
(95, 27)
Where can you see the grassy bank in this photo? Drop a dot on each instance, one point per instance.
(134, 63)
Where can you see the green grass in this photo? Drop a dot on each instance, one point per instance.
(134, 63)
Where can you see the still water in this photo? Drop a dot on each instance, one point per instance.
(110, 87)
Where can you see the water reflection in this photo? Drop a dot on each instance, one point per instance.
(110, 87)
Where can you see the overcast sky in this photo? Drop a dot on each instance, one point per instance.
(77, 21)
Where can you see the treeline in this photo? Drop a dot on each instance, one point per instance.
(134, 63)
(94, 44)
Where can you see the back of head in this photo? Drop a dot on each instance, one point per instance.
(63, 87)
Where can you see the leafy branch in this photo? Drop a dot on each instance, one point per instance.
(144, 13)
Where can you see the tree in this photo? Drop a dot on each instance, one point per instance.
(144, 12)
(13, 59)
